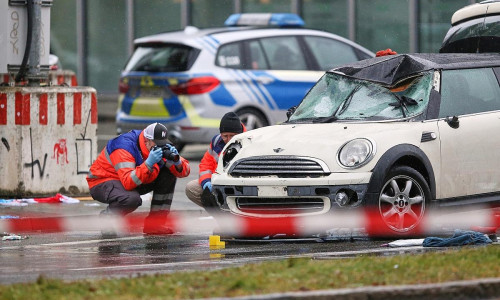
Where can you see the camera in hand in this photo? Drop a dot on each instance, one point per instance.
(167, 154)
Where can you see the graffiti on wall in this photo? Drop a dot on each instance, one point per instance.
(33, 163)
(61, 152)
(6, 143)
(83, 148)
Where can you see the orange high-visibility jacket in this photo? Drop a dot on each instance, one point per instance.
(210, 159)
(123, 159)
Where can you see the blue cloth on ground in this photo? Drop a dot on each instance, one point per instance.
(459, 238)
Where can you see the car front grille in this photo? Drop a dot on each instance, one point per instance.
(279, 205)
(281, 166)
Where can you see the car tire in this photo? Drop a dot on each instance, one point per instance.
(252, 118)
(402, 202)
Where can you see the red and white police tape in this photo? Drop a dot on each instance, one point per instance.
(485, 220)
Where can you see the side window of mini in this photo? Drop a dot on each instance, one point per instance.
(468, 91)
(230, 56)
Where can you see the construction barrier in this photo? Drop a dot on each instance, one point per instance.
(48, 139)
(231, 225)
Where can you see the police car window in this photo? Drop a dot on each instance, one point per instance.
(330, 53)
(283, 53)
(229, 56)
(257, 56)
(164, 58)
(469, 91)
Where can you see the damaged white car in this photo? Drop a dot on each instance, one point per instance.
(401, 134)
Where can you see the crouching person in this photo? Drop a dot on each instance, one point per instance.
(200, 191)
(134, 164)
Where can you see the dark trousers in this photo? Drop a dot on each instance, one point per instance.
(123, 202)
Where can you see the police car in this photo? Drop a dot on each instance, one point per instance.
(258, 66)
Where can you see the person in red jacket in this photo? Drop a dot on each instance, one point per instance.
(129, 166)
(230, 125)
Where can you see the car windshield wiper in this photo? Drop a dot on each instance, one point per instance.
(347, 101)
(325, 119)
(403, 102)
(340, 110)
(298, 121)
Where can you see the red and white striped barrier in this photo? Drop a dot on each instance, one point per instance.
(48, 139)
(433, 223)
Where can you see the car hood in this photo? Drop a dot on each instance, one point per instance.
(323, 141)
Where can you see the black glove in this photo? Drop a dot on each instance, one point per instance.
(208, 199)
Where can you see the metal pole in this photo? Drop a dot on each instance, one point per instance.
(185, 13)
(297, 7)
(34, 75)
(81, 43)
(351, 19)
(237, 6)
(130, 26)
(413, 7)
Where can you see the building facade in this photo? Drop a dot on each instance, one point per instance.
(95, 38)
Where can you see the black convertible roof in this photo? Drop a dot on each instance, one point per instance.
(388, 70)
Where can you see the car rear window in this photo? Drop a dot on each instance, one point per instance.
(476, 35)
(162, 58)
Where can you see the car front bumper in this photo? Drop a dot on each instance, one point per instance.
(280, 197)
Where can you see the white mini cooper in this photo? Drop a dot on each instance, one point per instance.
(400, 133)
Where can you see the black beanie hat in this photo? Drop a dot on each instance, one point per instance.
(230, 123)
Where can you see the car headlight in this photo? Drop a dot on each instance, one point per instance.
(230, 153)
(356, 153)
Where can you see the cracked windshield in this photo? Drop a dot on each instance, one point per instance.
(339, 98)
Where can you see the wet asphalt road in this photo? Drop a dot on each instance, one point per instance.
(83, 255)
(87, 254)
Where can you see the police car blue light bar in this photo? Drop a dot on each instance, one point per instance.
(265, 19)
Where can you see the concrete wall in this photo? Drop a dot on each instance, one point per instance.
(48, 139)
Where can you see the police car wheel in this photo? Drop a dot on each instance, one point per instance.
(252, 118)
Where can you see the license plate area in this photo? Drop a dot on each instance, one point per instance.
(154, 92)
(271, 191)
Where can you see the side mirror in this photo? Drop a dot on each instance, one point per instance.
(453, 122)
(290, 112)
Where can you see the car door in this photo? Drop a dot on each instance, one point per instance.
(470, 153)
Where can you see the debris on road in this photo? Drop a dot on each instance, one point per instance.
(459, 238)
(58, 198)
(14, 237)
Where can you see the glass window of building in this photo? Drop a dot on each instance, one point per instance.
(211, 13)
(330, 16)
(63, 33)
(107, 49)
(257, 6)
(434, 22)
(382, 24)
(155, 16)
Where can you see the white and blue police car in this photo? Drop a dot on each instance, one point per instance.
(258, 66)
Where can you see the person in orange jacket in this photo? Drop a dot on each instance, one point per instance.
(131, 165)
(230, 125)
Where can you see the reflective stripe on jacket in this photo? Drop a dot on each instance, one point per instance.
(123, 159)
